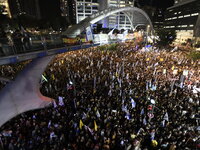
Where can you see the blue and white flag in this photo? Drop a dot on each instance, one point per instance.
(98, 114)
(142, 111)
(163, 123)
(123, 107)
(154, 87)
(166, 117)
(89, 34)
(61, 103)
(147, 86)
(144, 121)
(84, 116)
(54, 104)
(127, 116)
(133, 103)
(49, 124)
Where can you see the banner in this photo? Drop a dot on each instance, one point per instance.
(89, 34)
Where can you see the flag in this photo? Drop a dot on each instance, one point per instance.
(110, 92)
(90, 130)
(153, 88)
(173, 67)
(54, 104)
(43, 78)
(166, 117)
(185, 72)
(84, 116)
(111, 32)
(163, 123)
(95, 126)
(124, 108)
(142, 111)
(125, 33)
(98, 114)
(144, 121)
(161, 59)
(133, 103)
(61, 103)
(81, 124)
(53, 77)
(128, 116)
(164, 71)
(156, 64)
(147, 86)
(175, 71)
(49, 124)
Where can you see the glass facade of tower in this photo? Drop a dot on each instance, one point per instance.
(68, 10)
(85, 8)
(119, 20)
(182, 17)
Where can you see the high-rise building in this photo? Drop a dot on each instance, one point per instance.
(85, 8)
(5, 4)
(68, 10)
(29, 7)
(182, 17)
(119, 20)
(158, 18)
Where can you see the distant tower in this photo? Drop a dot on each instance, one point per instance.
(119, 20)
(5, 3)
(85, 8)
(28, 7)
(68, 10)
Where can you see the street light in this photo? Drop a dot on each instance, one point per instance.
(147, 33)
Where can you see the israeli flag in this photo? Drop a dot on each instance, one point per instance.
(61, 103)
(166, 117)
(142, 111)
(133, 103)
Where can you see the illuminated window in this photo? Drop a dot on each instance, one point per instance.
(195, 14)
(186, 15)
(184, 26)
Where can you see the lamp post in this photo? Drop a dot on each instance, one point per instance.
(148, 29)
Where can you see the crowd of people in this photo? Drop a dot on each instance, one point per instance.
(124, 99)
(9, 72)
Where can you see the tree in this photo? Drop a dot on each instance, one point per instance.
(166, 36)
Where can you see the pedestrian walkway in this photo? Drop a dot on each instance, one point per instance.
(23, 93)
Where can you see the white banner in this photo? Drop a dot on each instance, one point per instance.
(89, 34)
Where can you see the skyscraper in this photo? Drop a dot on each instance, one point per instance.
(119, 20)
(7, 10)
(183, 18)
(68, 10)
(85, 8)
(29, 7)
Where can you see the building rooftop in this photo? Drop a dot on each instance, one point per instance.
(181, 3)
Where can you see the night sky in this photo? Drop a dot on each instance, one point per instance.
(156, 3)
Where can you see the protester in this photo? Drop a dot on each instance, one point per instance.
(113, 100)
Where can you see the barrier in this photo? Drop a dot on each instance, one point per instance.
(38, 54)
